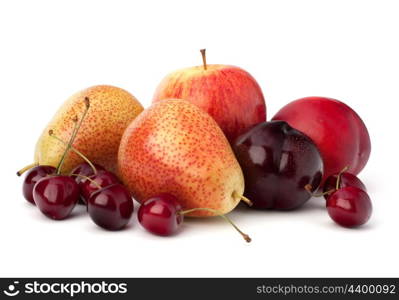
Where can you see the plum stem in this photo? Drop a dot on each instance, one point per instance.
(87, 178)
(26, 168)
(51, 133)
(219, 214)
(203, 58)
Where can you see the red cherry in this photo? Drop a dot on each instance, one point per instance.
(159, 214)
(349, 206)
(56, 196)
(97, 181)
(32, 177)
(111, 207)
(163, 215)
(86, 170)
(345, 179)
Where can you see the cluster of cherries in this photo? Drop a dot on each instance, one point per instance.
(347, 201)
(108, 201)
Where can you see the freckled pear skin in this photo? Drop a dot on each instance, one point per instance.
(111, 111)
(174, 147)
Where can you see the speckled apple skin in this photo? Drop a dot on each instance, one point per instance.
(229, 94)
(111, 110)
(175, 147)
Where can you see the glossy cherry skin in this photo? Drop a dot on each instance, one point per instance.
(338, 132)
(56, 196)
(160, 214)
(32, 177)
(102, 179)
(278, 162)
(349, 206)
(85, 170)
(111, 207)
(346, 179)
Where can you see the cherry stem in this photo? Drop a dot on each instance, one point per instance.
(203, 58)
(338, 183)
(63, 157)
(78, 124)
(308, 188)
(87, 178)
(28, 167)
(51, 133)
(243, 198)
(219, 214)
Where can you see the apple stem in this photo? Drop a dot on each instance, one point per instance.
(51, 133)
(219, 214)
(338, 183)
(75, 131)
(87, 178)
(28, 167)
(203, 58)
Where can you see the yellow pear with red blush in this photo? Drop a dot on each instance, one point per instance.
(111, 111)
(175, 147)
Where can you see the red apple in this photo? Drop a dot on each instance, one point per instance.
(229, 94)
(336, 129)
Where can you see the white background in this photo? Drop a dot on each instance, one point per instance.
(347, 50)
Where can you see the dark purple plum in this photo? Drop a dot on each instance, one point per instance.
(278, 162)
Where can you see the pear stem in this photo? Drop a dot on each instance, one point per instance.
(78, 124)
(219, 214)
(51, 133)
(203, 58)
(87, 178)
(243, 198)
(28, 167)
(246, 200)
